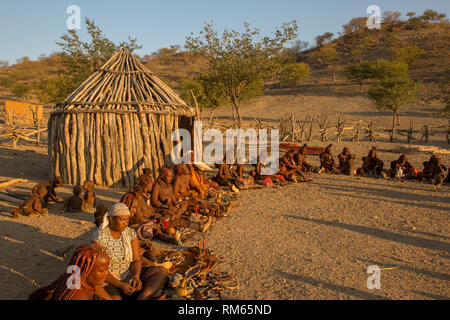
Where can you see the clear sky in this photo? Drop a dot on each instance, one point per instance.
(30, 28)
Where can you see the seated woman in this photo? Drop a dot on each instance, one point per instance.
(198, 176)
(126, 276)
(258, 176)
(327, 163)
(142, 214)
(224, 176)
(428, 168)
(402, 168)
(372, 165)
(51, 193)
(164, 200)
(347, 162)
(300, 159)
(139, 197)
(75, 202)
(290, 170)
(438, 174)
(33, 206)
(343, 156)
(184, 186)
(89, 199)
(92, 262)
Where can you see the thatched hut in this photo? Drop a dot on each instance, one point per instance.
(119, 121)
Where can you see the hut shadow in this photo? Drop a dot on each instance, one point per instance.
(381, 234)
(31, 258)
(334, 287)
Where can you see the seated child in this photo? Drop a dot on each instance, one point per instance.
(75, 202)
(89, 200)
(32, 206)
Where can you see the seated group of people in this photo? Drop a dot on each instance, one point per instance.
(44, 193)
(433, 171)
(119, 262)
(159, 208)
(110, 267)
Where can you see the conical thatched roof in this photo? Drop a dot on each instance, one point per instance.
(124, 84)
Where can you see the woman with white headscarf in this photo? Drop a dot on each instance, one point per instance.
(126, 274)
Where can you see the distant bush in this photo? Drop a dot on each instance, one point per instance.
(293, 73)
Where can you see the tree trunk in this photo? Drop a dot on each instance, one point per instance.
(236, 106)
(393, 128)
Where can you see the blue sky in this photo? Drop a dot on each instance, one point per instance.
(30, 28)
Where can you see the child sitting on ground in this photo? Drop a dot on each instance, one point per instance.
(89, 199)
(32, 206)
(75, 202)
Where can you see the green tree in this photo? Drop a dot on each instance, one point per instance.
(385, 69)
(393, 94)
(411, 14)
(360, 72)
(432, 16)
(241, 60)
(293, 73)
(324, 38)
(209, 93)
(409, 54)
(355, 25)
(78, 60)
(326, 57)
(21, 90)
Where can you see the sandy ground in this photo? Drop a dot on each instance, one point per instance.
(300, 241)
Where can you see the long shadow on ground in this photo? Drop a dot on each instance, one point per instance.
(382, 234)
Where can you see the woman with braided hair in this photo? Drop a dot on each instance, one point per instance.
(127, 276)
(139, 198)
(85, 275)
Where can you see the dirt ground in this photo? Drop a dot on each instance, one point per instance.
(300, 241)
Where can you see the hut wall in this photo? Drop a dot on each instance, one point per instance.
(110, 148)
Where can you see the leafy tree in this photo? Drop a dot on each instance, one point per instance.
(78, 60)
(409, 54)
(390, 17)
(293, 73)
(432, 16)
(393, 94)
(411, 14)
(324, 38)
(241, 60)
(384, 69)
(363, 45)
(298, 47)
(21, 90)
(208, 92)
(361, 72)
(355, 25)
(327, 56)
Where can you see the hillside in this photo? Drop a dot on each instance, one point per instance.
(16, 80)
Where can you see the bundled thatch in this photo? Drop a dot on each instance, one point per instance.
(119, 121)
